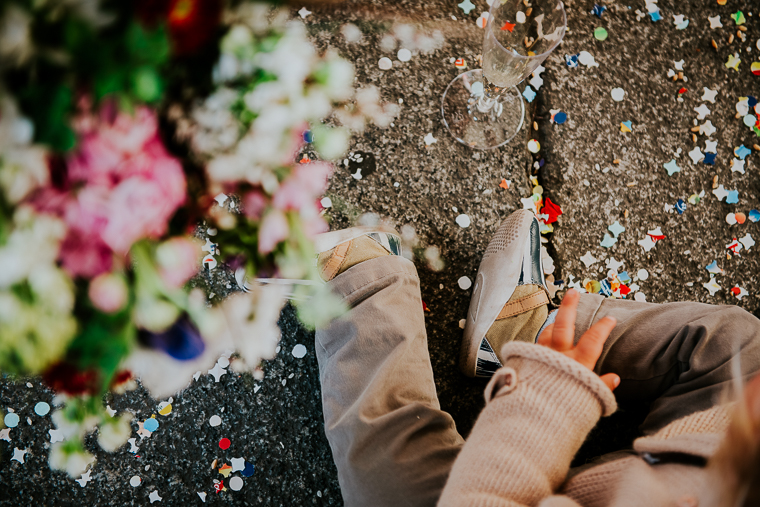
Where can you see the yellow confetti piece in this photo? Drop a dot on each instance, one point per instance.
(225, 470)
(165, 408)
(733, 62)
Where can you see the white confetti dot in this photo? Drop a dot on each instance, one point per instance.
(135, 481)
(731, 218)
(520, 17)
(640, 297)
(223, 362)
(404, 55)
(463, 220)
(643, 274)
(385, 63)
(464, 283)
(618, 94)
(534, 146)
(236, 484)
(299, 351)
(41, 408)
(215, 420)
(326, 202)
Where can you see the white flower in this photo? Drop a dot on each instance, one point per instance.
(114, 434)
(72, 462)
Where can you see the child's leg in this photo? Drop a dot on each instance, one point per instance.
(676, 355)
(391, 442)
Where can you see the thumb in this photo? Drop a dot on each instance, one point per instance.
(611, 380)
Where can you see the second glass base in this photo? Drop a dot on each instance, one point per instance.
(477, 123)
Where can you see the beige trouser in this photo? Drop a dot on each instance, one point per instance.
(392, 444)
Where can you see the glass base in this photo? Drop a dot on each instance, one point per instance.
(477, 122)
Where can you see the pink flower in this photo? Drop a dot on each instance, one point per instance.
(303, 186)
(108, 292)
(254, 204)
(178, 260)
(274, 228)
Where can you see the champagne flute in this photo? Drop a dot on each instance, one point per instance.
(482, 108)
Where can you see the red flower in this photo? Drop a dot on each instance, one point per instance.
(64, 377)
(552, 210)
(191, 23)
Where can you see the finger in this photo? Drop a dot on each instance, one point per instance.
(611, 380)
(545, 338)
(564, 324)
(590, 345)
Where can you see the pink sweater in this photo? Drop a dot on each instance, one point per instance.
(539, 409)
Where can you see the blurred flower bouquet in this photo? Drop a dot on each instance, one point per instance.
(120, 123)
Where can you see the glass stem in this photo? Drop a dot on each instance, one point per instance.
(491, 92)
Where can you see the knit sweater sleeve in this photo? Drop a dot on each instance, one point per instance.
(539, 408)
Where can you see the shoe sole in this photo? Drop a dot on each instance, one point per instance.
(509, 257)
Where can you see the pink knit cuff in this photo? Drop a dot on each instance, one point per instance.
(505, 379)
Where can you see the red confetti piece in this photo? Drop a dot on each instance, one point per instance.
(424, 307)
(736, 291)
(460, 63)
(740, 218)
(624, 290)
(551, 210)
(508, 26)
(656, 237)
(305, 160)
(224, 443)
(682, 91)
(504, 184)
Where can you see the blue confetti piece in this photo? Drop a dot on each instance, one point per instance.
(680, 206)
(598, 10)
(754, 215)
(572, 60)
(655, 15)
(608, 241)
(671, 167)
(751, 101)
(683, 25)
(742, 152)
(605, 289)
(616, 228)
(308, 137)
(529, 94)
(732, 197)
(466, 6)
(624, 277)
(560, 118)
(628, 124)
(709, 158)
(151, 424)
(713, 267)
(248, 470)
(541, 163)
(11, 419)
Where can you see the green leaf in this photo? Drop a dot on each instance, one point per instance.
(147, 47)
(147, 84)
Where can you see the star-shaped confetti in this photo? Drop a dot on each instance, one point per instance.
(133, 448)
(85, 478)
(466, 6)
(738, 18)
(505, 184)
(742, 152)
(18, 454)
(588, 259)
(747, 241)
(536, 81)
(616, 228)
(707, 128)
(508, 26)
(528, 203)
(5, 434)
(733, 62)
(154, 497)
(680, 22)
(696, 155)
(711, 146)
(304, 12)
(608, 241)
(142, 431)
(739, 292)
(712, 286)
(713, 268)
(710, 158)
(655, 15)
(737, 166)
(217, 371)
(238, 464)
(702, 112)
(55, 436)
(529, 94)
(732, 197)
(720, 192)
(225, 470)
(680, 206)
(613, 264)
(647, 243)
(709, 95)
(734, 247)
(671, 167)
(626, 126)
(429, 139)
(715, 22)
(598, 10)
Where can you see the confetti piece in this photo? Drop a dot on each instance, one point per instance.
(41, 408)
(133, 448)
(755, 68)
(608, 241)
(225, 470)
(505, 184)
(680, 22)
(702, 111)
(560, 118)
(202, 495)
(754, 215)
(715, 22)
(299, 351)
(733, 62)
(696, 155)
(165, 408)
(640, 297)
(224, 443)
(529, 94)
(463, 220)
(616, 228)
(248, 470)
(711, 146)
(680, 206)
(647, 243)
(750, 120)
(154, 497)
(236, 484)
(739, 18)
(217, 371)
(151, 424)
(84, 479)
(460, 63)
(534, 146)
(588, 259)
(720, 192)
(238, 464)
(18, 454)
(209, 261)
(326, 202)
(508, 26)
(709, 95)
(385, 63)
(572, 60)
(11, 420)
(626, 126)
(731, 218)
(712, 286)
(135, 481)
(747, 241)
(429, 139)
(587, 59)
(618, 94)
(600, 33)
(404, 55)
(598, 10)
(303, 13)
(464, 283)
(742, 152)
(214, 421)
(732, 197)
(466, 6)
(5, 434)
(482, 21)
(707, 128)
(671, 167)
(740, 218)
(713, 268)
(739, 292)
(520, 17)
(655, 16)
(709, 158)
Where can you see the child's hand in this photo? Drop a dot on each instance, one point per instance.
(559, 336)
